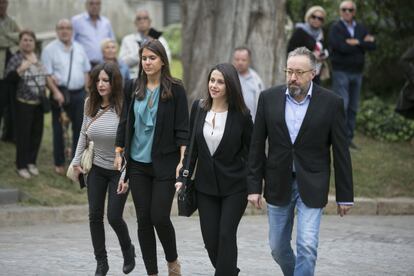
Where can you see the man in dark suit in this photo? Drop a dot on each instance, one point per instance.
(302, 122)
(348, 42)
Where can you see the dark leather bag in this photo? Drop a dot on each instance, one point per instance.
(45, 103)
(187, 197)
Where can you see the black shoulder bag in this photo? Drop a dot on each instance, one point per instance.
(187, 199)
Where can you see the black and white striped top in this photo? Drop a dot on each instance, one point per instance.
(103, 133)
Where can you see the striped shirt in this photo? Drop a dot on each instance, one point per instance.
(103, 133)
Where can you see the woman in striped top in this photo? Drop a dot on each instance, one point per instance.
(100, 122)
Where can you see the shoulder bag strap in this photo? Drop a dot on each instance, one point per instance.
(70, 66)
(186, 171)
(96, 117)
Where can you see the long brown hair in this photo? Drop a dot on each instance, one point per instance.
(234, 94)
(116, 96)
(166, 79)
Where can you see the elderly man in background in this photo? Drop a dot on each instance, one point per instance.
(90, 29)
(250, 81)
(348, 41)
(132, 43)
(66, 61)
(9, 31)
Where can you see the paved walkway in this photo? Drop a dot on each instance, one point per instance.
(354, 245)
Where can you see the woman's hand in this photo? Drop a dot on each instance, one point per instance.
(122, 187)
(178, 186)
(23, 66)
(77, 170)
(177, 170)
(118, 161)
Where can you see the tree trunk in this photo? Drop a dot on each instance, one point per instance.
(211, 29)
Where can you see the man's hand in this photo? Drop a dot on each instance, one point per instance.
(58, 97)
(342, 210)
(369, 38)
(352, 41)
(256, 200)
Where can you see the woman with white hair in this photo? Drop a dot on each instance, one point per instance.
(309, 34)
(109, 50)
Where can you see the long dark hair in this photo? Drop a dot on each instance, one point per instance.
(116, 96)
(234, 94)
(166, 79)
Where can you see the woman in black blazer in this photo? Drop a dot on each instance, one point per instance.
(222, 139)
(152, 135)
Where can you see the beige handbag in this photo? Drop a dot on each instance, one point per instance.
(87, 154)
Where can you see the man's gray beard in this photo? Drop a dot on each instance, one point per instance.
(295, 92)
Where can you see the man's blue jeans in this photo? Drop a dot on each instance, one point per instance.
(280, 235)
(75, 113)
(348, 86)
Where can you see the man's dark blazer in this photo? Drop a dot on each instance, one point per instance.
(223, 173)
(323, 127)
(171, 130)
(345, 57)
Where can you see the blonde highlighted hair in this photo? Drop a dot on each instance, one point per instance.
(313, 9)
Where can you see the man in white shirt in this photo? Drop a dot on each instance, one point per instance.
(251, 83)
(66, 61)
(131, 43)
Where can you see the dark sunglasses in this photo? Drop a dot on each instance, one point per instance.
(318, 17)
(350, 10)
(142, 18)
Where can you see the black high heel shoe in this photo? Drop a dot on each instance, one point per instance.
(129, 259)
(102, 268)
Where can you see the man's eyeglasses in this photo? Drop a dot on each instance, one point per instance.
(321, 19)
(350, 10)
(298, 73)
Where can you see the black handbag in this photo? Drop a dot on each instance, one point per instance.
(187, 197)
(44, 101)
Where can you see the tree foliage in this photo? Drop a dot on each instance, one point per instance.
(390, 21)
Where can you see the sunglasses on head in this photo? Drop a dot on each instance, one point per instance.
(317, 17)
(350, 10)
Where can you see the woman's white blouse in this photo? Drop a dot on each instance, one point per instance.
(213, 131)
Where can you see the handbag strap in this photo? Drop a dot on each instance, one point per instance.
(42, 92)
(93, 120)
(186, 171)
(70, 67)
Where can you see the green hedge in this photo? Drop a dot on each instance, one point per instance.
(378, 120)
(172, 33)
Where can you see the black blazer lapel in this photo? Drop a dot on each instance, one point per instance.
(160, 118)
(312, 108)
(345, 29)
(280, 106)
(200, 133)
(227, 131)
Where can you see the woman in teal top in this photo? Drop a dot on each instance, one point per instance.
(147, 114)
(152, 135)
